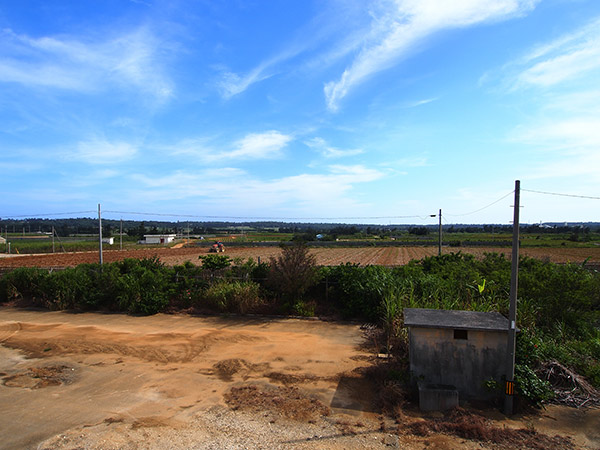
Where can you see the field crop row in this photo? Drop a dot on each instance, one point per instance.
(386, 256)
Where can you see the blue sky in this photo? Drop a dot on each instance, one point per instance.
(340, 111)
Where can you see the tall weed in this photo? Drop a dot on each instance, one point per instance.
(233, 296)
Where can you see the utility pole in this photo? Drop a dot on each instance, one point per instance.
(439, 231)
(121, 235)
(440, 235)
(100, 233)
(53, 239)
(509, 391)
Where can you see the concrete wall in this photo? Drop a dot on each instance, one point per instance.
(437, 357)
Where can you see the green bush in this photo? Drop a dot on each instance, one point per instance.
(144, 286)
(530, 387)
(214, 261)
(25, 282)
(66, 289)
(190, 283)
(359, 291)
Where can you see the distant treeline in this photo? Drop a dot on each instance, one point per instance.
(86, 225)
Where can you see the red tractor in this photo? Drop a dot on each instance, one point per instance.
(217, 247)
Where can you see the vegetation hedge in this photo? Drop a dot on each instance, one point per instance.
(558, 305)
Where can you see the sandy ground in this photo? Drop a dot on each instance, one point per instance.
(109, 381)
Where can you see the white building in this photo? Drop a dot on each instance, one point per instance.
(158, 238)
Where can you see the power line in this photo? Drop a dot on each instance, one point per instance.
(249, 218)
(561, 195)
(481, 209)
(48, 214)
(263, 218)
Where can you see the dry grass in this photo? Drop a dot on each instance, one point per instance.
(474, 427)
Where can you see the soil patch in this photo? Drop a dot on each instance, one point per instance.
(288, 402)
(40, 377)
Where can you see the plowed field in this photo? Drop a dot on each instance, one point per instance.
(388, 256)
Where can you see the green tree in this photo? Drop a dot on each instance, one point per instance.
(293, 272)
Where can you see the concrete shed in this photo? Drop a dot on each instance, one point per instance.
(458, 350)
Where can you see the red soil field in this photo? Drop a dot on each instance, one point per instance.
(388, 256)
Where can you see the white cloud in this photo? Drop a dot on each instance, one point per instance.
(99, 151)
(320, 145)
(400, 24)
(85, 64)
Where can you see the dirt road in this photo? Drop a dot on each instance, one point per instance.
(111, 381)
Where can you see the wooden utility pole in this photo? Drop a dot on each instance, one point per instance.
(509, 390)
(100, 233)
(440, 235)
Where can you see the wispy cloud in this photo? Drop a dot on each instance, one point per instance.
(416, 103)
(266, 145)
(566, 129)
(232, 84)
(85, 64)
(319, 191)
(400, 24)
(101, 151)
(568, 57)
(570, 146)
(326, 150)
(323, 41)
(258, 146)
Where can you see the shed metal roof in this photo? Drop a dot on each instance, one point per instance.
(461, 320)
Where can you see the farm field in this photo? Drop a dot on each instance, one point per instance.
(387, 256)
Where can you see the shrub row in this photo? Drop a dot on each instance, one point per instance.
(136, 286)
